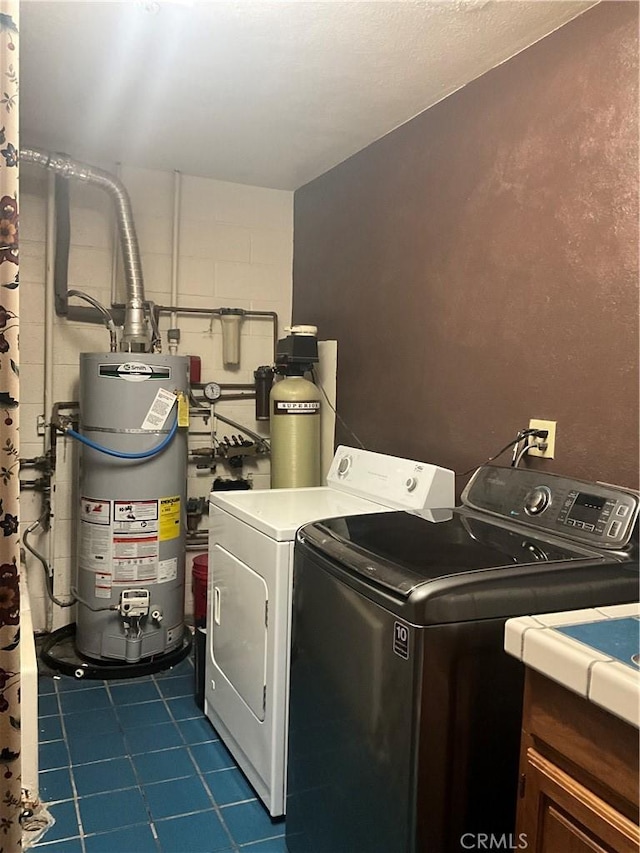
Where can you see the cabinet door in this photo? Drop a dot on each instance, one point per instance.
(559, 815)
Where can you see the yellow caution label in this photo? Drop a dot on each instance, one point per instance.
(183, 410)
(169, 518)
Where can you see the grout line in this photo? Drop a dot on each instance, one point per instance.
(134, 770)
(203, 781)
(216, 807)
(139, 785)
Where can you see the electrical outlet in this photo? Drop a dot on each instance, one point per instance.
(535, 423)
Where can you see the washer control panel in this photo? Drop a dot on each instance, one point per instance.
(592, 513)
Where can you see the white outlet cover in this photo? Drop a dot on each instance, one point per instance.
(549, 453)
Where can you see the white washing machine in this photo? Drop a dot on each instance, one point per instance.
(251, 542)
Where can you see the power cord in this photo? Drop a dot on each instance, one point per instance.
(524, 433)
(339, 418)
(536, 440)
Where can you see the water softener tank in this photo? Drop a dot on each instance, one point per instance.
(132, 512)
(295, 433)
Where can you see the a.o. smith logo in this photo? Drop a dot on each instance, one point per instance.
(134, 371)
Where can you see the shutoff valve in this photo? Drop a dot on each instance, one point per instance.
(134, 603)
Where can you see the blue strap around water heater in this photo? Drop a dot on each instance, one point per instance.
(145, 454)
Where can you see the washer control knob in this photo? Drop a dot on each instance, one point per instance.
(411, 484)
(537, 500)
(343, 466)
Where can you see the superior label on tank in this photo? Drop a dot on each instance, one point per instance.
(296, 407)
(169, 518)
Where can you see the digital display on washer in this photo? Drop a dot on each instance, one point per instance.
(587, 508)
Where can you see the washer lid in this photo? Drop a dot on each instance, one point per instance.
(409, 550)
(464, 568)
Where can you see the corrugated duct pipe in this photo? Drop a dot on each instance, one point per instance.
(134, 333)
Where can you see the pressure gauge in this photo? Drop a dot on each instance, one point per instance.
(212, 391)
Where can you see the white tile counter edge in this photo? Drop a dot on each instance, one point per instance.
(615, 688)
(585, 671)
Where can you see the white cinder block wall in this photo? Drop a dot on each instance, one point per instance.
(235, 251)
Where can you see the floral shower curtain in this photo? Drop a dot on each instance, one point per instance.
(10, 770)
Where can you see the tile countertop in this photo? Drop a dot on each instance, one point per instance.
(594, 652)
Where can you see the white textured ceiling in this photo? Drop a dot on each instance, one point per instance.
(264, 92)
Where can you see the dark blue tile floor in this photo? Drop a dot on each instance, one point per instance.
(134, 766)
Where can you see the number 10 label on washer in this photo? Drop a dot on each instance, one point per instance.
(401, 640)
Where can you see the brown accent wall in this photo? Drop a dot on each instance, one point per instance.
(479, 265)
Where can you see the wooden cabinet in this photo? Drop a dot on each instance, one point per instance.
(578, 775)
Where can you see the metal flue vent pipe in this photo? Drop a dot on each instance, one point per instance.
(134, 333)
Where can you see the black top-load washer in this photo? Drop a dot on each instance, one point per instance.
(405, 710)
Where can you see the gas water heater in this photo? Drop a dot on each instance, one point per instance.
(133, 462)
(132, 505)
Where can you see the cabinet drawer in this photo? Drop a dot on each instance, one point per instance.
(598, 748)
(560, 814)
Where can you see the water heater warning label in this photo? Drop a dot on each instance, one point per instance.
(159, 410)
(169, 518)
(103, 585)
(95, 535)
(135, 549)
(94, 547)
(95, 512)
(135, 541)
(168, 570)
(135, 516)
(120, 541)
(142, 568)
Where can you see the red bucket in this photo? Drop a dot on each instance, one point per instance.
(200, 573)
